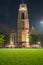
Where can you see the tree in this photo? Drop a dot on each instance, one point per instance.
(33, 38)
(6, 38)
(1, 39)
(41, 39)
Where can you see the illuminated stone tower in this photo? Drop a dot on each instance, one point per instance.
(23, 26)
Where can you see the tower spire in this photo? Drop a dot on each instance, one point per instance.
(22, 1)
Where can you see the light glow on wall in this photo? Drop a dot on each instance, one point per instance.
(22, 9)
(11, 42)
(23, 37)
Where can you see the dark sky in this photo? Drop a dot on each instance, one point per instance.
(9, 14)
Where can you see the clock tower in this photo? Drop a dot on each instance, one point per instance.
(23, 26)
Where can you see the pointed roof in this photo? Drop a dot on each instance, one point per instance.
(33, 30)
(23, 6)
(22, 1)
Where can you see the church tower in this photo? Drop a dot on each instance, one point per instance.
(23, 26)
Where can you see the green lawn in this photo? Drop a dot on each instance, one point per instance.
(21, 56)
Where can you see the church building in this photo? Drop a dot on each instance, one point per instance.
(20, 37)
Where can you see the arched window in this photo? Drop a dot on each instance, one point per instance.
(22, 16)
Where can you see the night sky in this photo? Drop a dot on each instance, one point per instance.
(9, 14)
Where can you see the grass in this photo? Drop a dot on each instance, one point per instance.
(21, 56)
